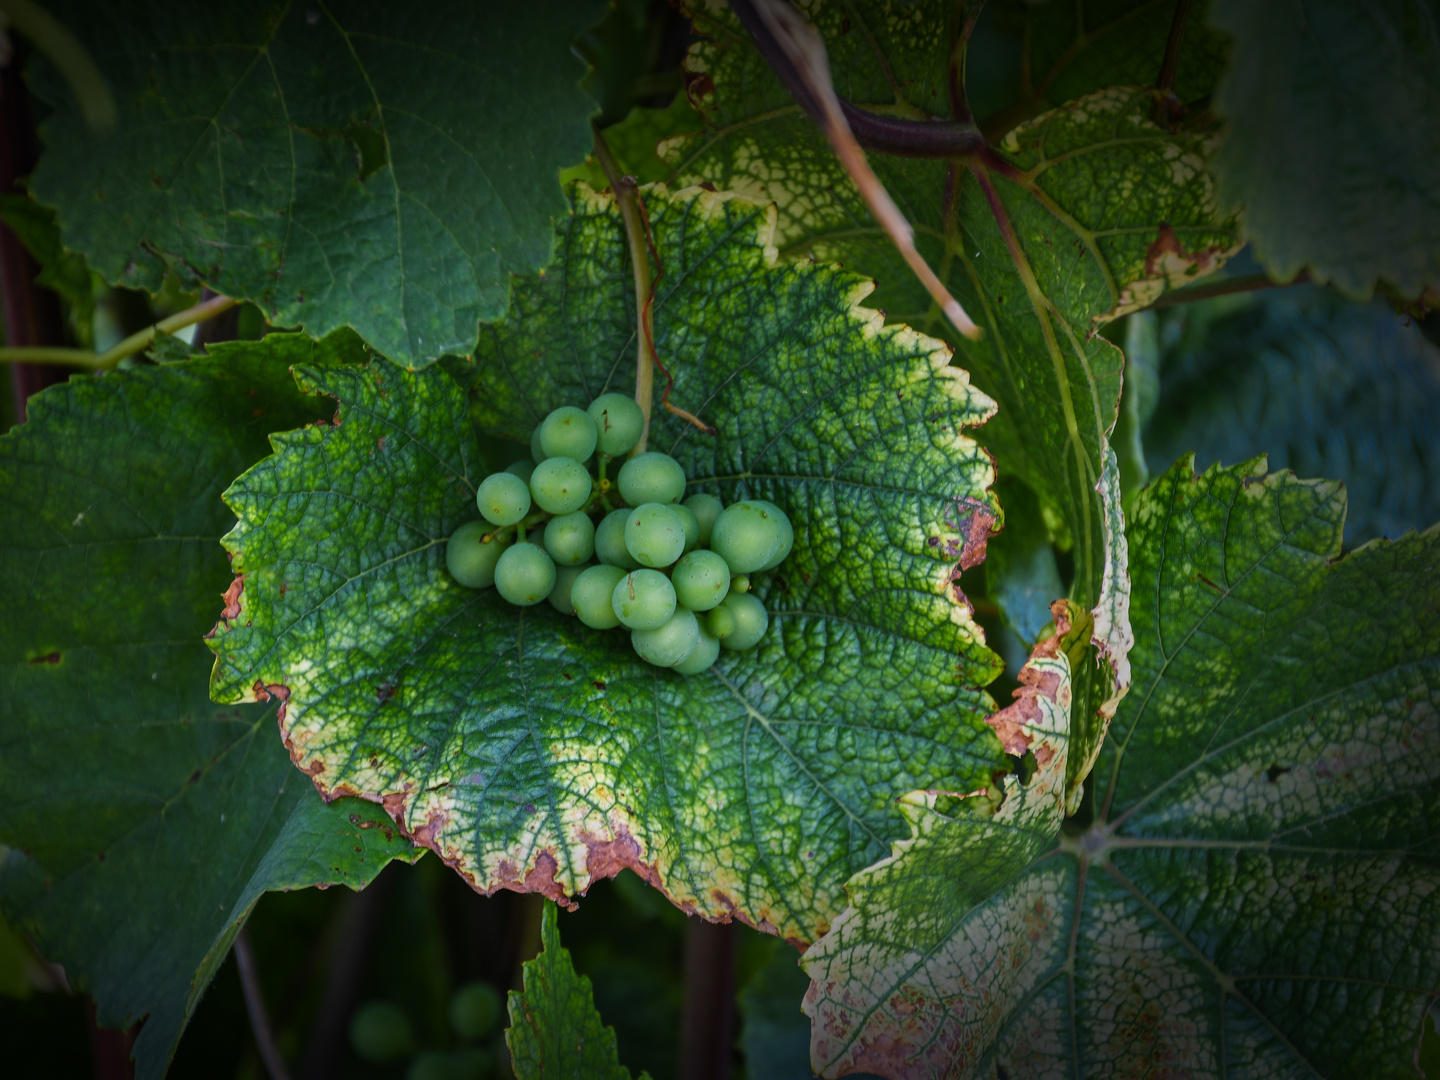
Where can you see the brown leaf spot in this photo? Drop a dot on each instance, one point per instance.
(48, 658)
(264, 692)
(429, 833)
(1010, 722)
(698, 86)
(231, 611)
(977, 535)
(606, 858)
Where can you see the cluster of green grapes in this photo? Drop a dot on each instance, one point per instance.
(673, 573)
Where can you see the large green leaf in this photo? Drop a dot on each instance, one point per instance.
(555, 1030)
(146, 821)
(1259, 893)
(536, 754)
(375, 165)
(1333, 140)
(1077, 216)
(1326, 387)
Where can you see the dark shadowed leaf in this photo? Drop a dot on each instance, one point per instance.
(1333, 139)
(382, 166)
(143, 820)
(1325, 387)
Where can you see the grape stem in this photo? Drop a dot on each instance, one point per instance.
(542, 516)
(627, 197)
(135, 343)
(642, 249)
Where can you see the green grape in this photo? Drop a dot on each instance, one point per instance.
(568, 432)
(787, 535)
(643, 599)
(470, 558)
(706, 509)
(619, 421)
(652, 477)
(740, 583)
(560, 485)
(705, 653)
(536, 452)
(559, 597)
(610, 541)
(524, 575)
(380, 1033)
(747, 535)
(570, 539)
(751, 621)
(654, 535)
(503, 498)
(692, 525)
(522, 469)
(592, 596)
(701, 580)
(475, 1011)
(669, 643)
(720, 622)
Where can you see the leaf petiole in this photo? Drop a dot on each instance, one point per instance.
(133, 344)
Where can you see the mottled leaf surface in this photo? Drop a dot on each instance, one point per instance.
(1333, 138)
(555, 1030)
(536, 754)
(1259, 893)
(143, 821)
(1074, 217)
(1325, 387)
(382, 166)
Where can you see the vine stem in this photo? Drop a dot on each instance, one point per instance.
(1167, 106)
(804, 50)
(626, 191)
(255, 1006)
(133, 344)
(1228, 287)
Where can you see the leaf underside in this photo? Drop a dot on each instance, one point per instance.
(1075, 217)
(145, 821)
(293, 158)
(1260, 891)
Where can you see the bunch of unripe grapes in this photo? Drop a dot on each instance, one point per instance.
(675, 574)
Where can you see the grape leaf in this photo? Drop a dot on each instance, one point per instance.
(1076, 217)
(555, 1030)
(145, 821)
(1259, 892)
(372, 165)
(1329, 388)
(535, 754)
(1065, 51)
(1333, 144)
